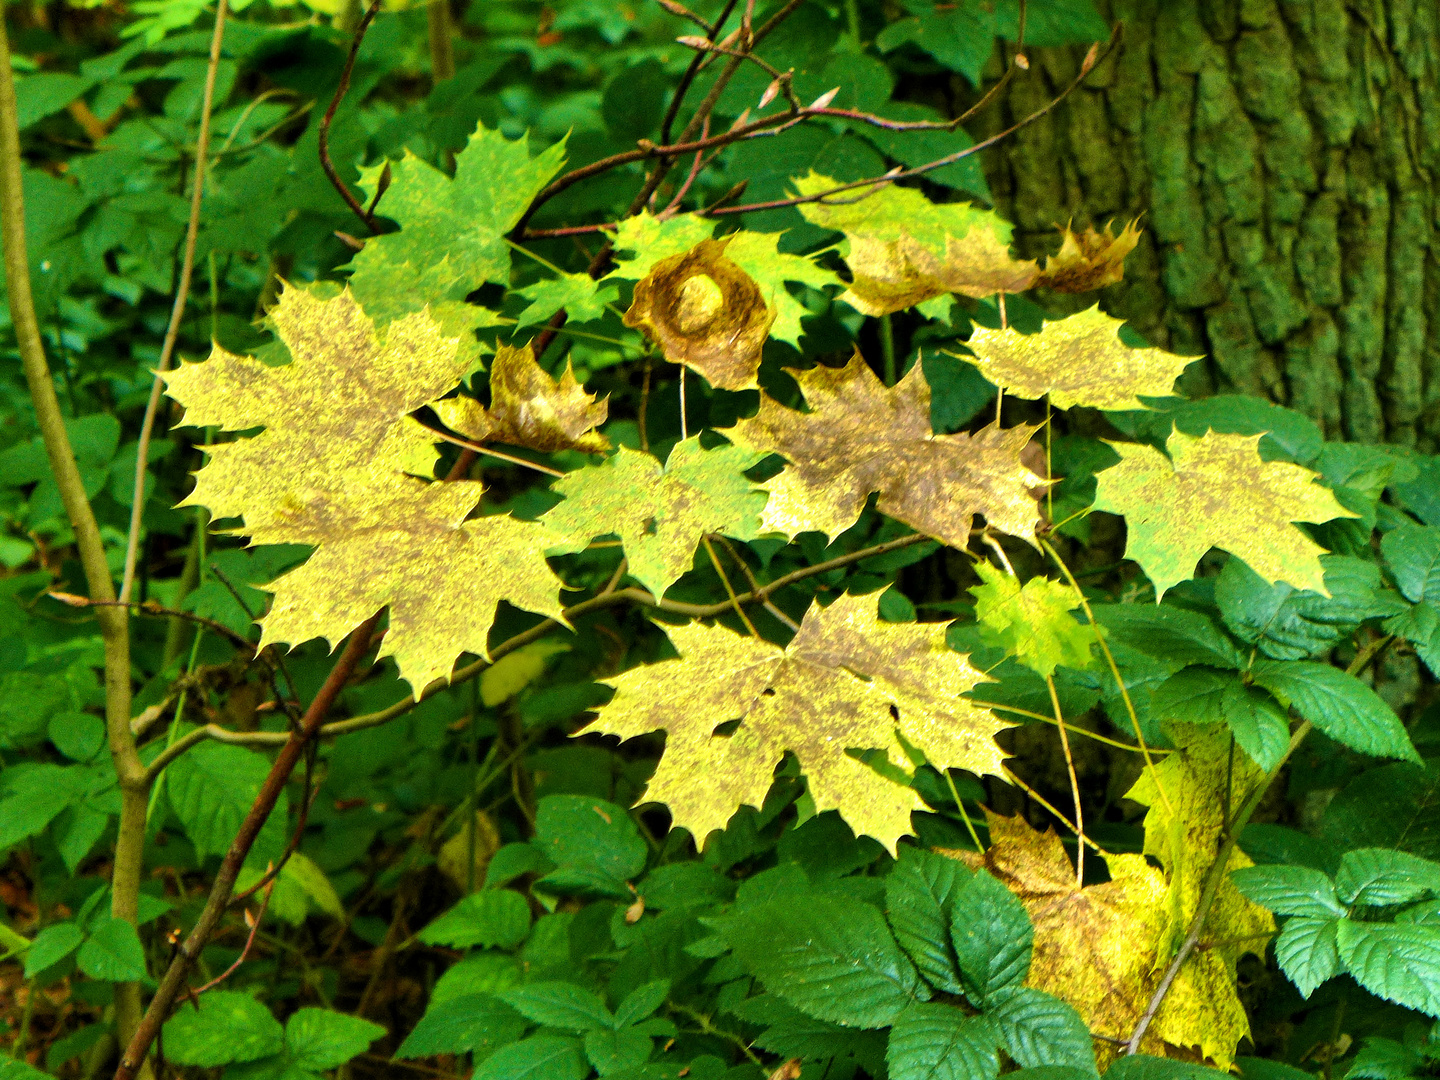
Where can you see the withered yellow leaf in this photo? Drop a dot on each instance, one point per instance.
(1078, 360)
(660, 514)
(706, 313)
(340, 466)
(1214, 490)
(1183, 831)
(1094, 947)
(529, 408)
(845, 681)
(904, 249)
(1090, 260)
(861, 436)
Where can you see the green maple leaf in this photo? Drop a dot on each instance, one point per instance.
(580, 295)
(451, 238)
(1032, 622)
(1216, 491)
(904, 249)
(846, 681)
(660, 514)
(653, 239)
(1077, 360)
(342, 467)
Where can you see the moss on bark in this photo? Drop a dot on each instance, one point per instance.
(1284, 153)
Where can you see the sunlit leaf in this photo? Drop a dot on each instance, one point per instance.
(1215, 491)
(1089, 260)
(861, 437)
(847, 680)
(1077, 360)
(1031, 621)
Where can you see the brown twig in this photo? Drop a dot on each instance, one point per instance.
(150, 607)
(367, 216)
(177, 309)
(668, 123)
(480, 448)
(285, 762)
(194, 995)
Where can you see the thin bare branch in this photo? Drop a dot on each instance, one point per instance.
(367, 216)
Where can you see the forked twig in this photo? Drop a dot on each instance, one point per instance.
(367, 216)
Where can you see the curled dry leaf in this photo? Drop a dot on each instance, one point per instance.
(1077, 360)
(1215, 490)
(861, 437)
(1089, 260)
(905, 250)
(339, 467)
(529, 408)
(845, 681)
(706, 313)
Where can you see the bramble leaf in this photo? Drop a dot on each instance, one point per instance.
(529, 408)
(832, 689)
(706, 313)
(660, 513)
(861, 436)
(1339, 704)
(1032, 622)
(1090, 260)
(1215, 491)
(1077, 360)
(939, 1042)
(905, 250)
(339, 466)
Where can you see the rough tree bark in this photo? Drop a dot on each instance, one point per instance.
(1284, 153)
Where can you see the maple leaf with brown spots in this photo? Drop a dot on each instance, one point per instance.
(861, 436)
(528, 407)
(1089, 260)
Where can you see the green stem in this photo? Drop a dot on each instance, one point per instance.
(113, 621)
(887, 350)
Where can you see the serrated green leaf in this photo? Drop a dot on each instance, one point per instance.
(1145, 1067)
(560, 1005)
(593, 844)
(319, 1039)
(1203, 695)
(1289, 890)
(1038, 1029)
(1287, 624)
(52, 945)
(1396, 962)
(660, 513)
(1032, 622)
(228, 1026)
(1395, 806)
(480, 973)
(1307, 952)
(1171, 633)
(641, 1002)
(1340, 705)
(582, 297)
(829, 956)
(919, 897)
(211, 789)
(939, 1042)
(612, 1051)
(1412, 552)
(491, 918)
(1384, 1059)
(540, 1057)
(1380, 877)
(478, 1023)
(992, 936)
(34, 798)
(112, 952)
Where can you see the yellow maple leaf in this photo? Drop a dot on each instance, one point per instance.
(904, 249)
(846, 681)
(706, 313)
(529, 408)
(341, 466)
(1078, 360)
(1183, 831)
(861, 437)
(1214, 490)
(1090, 260)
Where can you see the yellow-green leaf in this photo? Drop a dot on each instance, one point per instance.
(1090, 260)
(659, 513)
(1215, 491)
(340, 466)
(1032, 622)
(1078, 360)
(846, 681)
(529, 408)
(861, 437)
(904, 249)
(514, 671)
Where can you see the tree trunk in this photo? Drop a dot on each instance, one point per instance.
(1284, 155)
